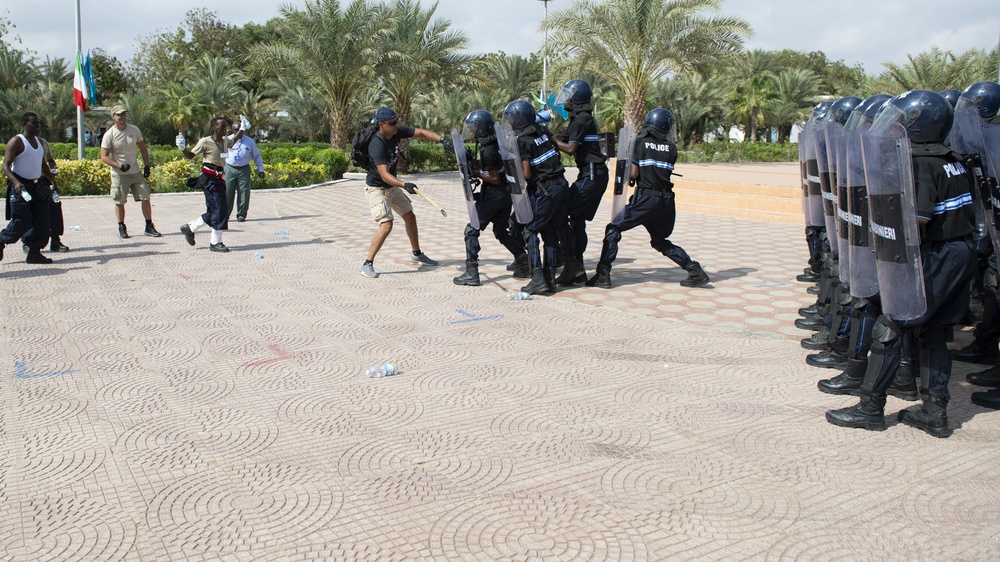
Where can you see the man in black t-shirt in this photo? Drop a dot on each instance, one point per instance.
(582, 142)
(652, 205)
(548, 190)
(945, 215)
(493, 203)
(385, 191)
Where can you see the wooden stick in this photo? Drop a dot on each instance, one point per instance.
(431, 201)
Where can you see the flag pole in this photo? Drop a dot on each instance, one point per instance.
(79, 110)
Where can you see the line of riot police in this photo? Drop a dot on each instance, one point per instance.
(900, 201)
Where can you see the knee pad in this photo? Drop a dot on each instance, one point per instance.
(885, 330)
(990, 279)
(611, 232)
(471, 232)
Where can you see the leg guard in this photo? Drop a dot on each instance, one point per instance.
(884, 359)
(935, 362)
(471, 244)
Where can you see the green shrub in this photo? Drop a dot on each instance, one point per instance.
(721, 151)
(170, 176)
(430, 157)
(294, 173)
(335, 162)
(83, 177)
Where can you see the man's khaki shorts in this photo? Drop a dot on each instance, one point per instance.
(121, 185)
(384, 202)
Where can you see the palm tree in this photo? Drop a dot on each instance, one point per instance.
(182, 106)
(695, 101)
(796, 91)
(422, 54)
(938, 70)
(54, 103)
(18, 79)
(635, 43)
(335, 49)
(218, 84)
(511, 76)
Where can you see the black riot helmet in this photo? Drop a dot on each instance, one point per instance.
(866, 111)
(820, 112)
(841, 109)
(479, 126)
(663, 122)
(519, 114)
(951, 95)
(575, 94)
(986, 97)
(926, 115)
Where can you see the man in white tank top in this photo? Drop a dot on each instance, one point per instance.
(28, 199)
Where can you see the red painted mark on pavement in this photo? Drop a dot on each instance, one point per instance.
(185, 277)
(282, 355)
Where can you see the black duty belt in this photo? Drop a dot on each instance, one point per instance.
(653, 192)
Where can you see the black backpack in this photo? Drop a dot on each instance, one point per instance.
(359, 146)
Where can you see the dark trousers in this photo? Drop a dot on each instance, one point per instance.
(216, 207)
(656, 211)
(549, 205)
(584, 198)
(28, 220)
(494, 207)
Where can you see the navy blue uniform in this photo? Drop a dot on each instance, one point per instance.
(548, 190)
(591, 181)
(652, 206)
(493, 205)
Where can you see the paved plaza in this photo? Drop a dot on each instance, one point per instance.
(163, 402)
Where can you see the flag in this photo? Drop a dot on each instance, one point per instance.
(88, 76)
(80, 93)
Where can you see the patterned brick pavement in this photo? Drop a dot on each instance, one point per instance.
(164, 402)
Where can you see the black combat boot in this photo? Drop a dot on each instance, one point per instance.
(471, 275)
(989, 399)
(808, 276)
(818, 341)
(989, 377)
(811, 310)
(867, 414)
(983, 349)
(809, 323)
(521, 269)
(572, 272)
(848, 382)
(537, 285)
(932, 417)
(696, 276)
(549, 274)
(834, 358)
(35, 256)
(904, 385)
(601, 278)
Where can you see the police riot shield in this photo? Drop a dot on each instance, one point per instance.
(967, 136)
(623, 167)
(826, 184)
(891, 196)
(463, 168)
(837, 150)
(516, 183)
(864, 273)
(804, 183)
(812, 176)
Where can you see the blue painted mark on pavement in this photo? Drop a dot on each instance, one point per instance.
(21, 372)
(470, 317)
(769, 283)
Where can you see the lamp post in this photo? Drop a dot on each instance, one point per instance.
(545, 52)
(79, 110)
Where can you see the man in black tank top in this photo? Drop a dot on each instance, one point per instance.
(28, 197)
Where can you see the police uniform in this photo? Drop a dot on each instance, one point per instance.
(652, 206)
(549, 194)
(591, 182)
(493, 205)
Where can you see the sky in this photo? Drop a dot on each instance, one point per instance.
(868, 32)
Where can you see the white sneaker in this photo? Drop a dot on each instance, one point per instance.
(422, 259)
(368, 270)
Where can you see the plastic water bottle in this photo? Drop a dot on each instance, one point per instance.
(181, 143)
(25, 195)
(76, 227)
(519, 296)
(55, 197)
(258, 255)
(383, 370)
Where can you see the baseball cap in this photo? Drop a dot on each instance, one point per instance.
(118, 109)
(384, 114)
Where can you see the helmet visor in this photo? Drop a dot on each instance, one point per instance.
(890, 114)
(469, 131)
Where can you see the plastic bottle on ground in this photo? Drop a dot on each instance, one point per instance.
(258, 255)
(383, 370)
(519, 296)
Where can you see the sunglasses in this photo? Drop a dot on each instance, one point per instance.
(392, 123)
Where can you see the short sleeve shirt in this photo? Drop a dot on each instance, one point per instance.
(490, 159)
(582, 131)
(122, 146)
(536, 147)
(381, 151)
(213, 152)
(944, 196)
(655, 159)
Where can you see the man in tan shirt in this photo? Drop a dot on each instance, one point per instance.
(214, 149)
(118, 150)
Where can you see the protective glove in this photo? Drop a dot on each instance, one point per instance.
(410, 188)
(125, 168)
(145, 171)
(475, 182)
(448, 145)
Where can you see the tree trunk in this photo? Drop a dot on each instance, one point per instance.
(403, 110)
(339, 136)
(635, 108)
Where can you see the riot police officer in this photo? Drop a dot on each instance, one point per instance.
(548, 190)
(652, 205)
(945, 262)
(581, 141)
(493, 203)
